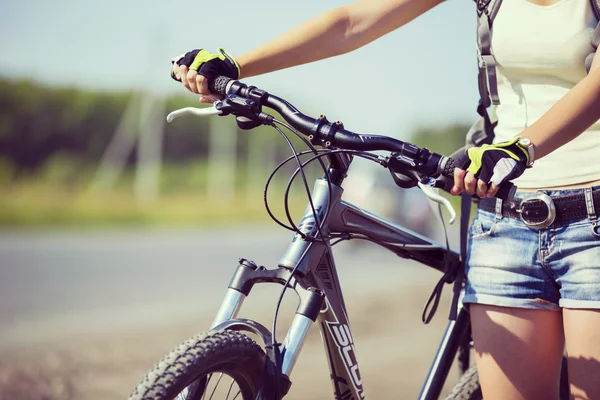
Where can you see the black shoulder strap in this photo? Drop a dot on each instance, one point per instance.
(595, 36)
(596, 8)
(465, 215)
(488, 86)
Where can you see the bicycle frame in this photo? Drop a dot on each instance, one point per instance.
(321, 300)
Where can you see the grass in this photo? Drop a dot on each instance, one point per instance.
(41, 205)
(60, 194)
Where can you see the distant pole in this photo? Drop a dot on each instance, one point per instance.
(141, 124)
(222, 160)
(271, 160)
(151, 121)
(149, 149)
(256, 167)
(119, 148)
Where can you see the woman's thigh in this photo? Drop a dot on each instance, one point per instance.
(574, 261)
(582, 336)
(518, 351)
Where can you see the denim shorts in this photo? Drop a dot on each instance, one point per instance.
(512, 265)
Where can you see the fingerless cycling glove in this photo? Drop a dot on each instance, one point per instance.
(499, 162)
(208, 64)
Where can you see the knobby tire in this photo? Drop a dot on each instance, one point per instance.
(189, 365)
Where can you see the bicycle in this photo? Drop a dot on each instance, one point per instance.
(308, 267)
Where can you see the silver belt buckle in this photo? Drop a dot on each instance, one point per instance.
(547, 200)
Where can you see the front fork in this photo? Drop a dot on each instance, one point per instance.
(311, 301)
(230, 306)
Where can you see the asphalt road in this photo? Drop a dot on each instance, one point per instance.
(84, 315)
(95, 280)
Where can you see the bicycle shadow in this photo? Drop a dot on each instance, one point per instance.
(578, 381)
(578, 367)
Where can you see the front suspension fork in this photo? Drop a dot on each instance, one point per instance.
(311, 301)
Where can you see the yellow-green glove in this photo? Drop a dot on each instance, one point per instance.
(498, 163)
(208, 64)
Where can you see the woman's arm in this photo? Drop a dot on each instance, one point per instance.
(569, 117)
(332, 33)
(572, 115)
(329, 34)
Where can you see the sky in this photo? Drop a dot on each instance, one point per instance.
(423, 74)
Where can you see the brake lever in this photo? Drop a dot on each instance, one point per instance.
(199, 112)
(435, 196)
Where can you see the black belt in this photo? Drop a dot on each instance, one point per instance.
(540, 210)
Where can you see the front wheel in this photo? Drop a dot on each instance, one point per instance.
(467, 388)
(217, 365)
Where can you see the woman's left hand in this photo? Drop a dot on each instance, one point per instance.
(489, 166)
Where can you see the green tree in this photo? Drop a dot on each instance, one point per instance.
(443, 140)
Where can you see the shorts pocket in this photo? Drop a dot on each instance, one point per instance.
(482, 228)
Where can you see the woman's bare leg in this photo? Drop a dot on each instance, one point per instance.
(518, 352)
(582, 336)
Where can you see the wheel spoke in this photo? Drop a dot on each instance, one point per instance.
(230, 386)
(183, 395)
(193, 389)
(208, 378)
(213, 392)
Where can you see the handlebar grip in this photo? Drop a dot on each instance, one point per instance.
(219, 84)
(506, 192)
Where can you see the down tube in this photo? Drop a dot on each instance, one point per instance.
(335, 332)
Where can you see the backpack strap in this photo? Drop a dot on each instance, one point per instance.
(483, 130)
(595, 35)
(488, 85)
(596, 8)
(465, 215)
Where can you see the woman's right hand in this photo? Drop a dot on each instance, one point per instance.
(195, 68)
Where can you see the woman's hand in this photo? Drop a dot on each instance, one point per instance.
(195, 68)
(489, 166)
(467, 182)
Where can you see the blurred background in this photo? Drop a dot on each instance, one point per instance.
(119, 232)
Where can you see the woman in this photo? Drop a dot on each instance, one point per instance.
(533, 293)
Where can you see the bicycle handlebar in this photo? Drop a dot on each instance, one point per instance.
(248, 100)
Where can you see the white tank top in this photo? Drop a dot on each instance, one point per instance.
(540, 51)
